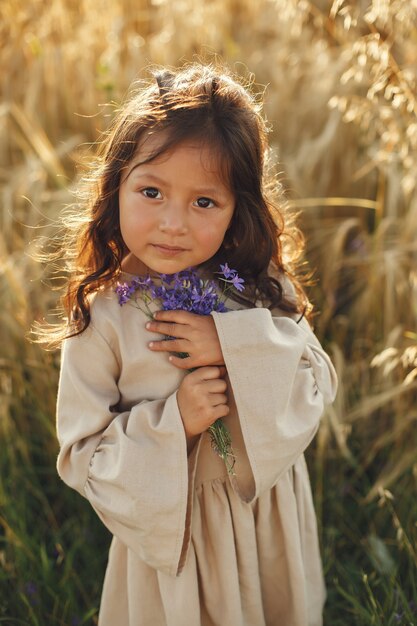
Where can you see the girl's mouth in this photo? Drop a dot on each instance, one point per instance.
(168, 250)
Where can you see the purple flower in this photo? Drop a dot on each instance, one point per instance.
(184, 291)
(227, 272)
(124, 292)
(231, 277)
(30, 589)
(238, 283)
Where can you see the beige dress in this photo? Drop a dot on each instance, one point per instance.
(192, 545)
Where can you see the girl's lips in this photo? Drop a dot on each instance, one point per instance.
(168, 250)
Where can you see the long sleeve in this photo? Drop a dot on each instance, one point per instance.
(281, 379)
(130, 464)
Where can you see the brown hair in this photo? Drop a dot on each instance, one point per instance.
(196, 101)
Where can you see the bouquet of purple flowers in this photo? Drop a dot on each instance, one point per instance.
(187, 291)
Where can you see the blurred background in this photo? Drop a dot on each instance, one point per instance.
(340, 95)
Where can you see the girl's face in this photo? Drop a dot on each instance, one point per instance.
(174, 210)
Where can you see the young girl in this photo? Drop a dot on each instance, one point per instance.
(182, 184)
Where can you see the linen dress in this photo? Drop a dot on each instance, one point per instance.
(193, 545)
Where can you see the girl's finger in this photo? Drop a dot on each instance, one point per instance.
(190, 362)
(177, 316)
(170, 345)
(181, 363)
(209, 372)
(220, 411)
(166, 328)
(222, 371)
(216, 386)
(218, 399)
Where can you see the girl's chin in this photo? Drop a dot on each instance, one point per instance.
(133, 265)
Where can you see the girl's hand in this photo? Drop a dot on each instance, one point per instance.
(194, 334)
(202, 399)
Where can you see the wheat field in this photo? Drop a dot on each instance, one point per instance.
(339, 81)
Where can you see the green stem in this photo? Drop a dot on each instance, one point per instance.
(221, 442)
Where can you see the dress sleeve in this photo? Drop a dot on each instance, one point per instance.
(280, 378)
(132, 466)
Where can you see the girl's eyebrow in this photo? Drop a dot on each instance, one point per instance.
(148, 176)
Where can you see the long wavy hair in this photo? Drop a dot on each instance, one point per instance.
(206, 103)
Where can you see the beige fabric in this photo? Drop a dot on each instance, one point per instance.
(191, 546)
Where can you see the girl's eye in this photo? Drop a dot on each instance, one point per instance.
(151, 192)
(204, 203)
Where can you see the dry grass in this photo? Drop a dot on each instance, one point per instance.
(341, 85)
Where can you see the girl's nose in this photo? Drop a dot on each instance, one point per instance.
(173, 220)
